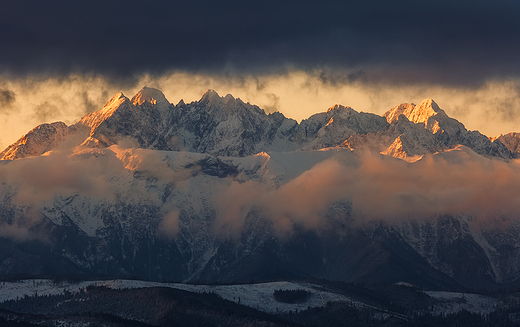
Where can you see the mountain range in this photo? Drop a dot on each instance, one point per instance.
(217, 190)
(225, 126)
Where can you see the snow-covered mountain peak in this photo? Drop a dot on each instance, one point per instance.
(394, 113)
(151, 95)
(416, 114)
(94, 119)
(115, 102)
(227, 126)
(211, 99)
(39, 140)
(426, 109)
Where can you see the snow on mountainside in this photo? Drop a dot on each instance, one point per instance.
(184, 216)
(217, 190)
(331, 128)
(229, 127)
(444, 133)
(39, 140)
(258, 296)
(429, 115)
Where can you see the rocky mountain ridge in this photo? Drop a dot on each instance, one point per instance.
(229, 127)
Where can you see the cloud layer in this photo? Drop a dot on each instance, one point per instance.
(457, 182)
(380, 188)
(446, 42)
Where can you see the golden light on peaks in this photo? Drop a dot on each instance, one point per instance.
(331, 120)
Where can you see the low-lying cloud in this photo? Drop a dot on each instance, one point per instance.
(169, 226)
(32, 183)
(39, 179)
(380, 188)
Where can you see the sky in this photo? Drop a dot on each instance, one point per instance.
(62, 59)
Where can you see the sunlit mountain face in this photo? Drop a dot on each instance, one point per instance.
(216, 190)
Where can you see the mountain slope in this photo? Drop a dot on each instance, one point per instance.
(167, 215)
(511, 141)
(39, 140)
(218, 191)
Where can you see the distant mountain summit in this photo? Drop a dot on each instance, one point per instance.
(37, 141)
(416, 130)
(227, 126)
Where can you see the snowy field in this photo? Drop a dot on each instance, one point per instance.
(257, 296)
(452, 302)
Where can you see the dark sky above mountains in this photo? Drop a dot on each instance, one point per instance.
(453, 42)
(61, 59)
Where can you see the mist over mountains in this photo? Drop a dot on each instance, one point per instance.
(217, 190)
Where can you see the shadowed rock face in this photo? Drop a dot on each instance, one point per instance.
(375, 254)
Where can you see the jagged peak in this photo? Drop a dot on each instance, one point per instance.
(337, 107)
(229, 98)
(416, 114)
(426, 109)
(510, 134)
(37, 141)
(93, 119)
(48, 126)
(334, 107)
(228, 102)
(430, 103)
(210, 96)
(115, 101)
(394, 113)
(149, 94)
(510, 140)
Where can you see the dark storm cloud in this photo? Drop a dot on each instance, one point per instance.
(7, 99)
(46, 111)
(456, 42)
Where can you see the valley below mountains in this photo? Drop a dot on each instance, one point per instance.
(218, 191)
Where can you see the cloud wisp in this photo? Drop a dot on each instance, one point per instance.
(31, 184)
(379, 188)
